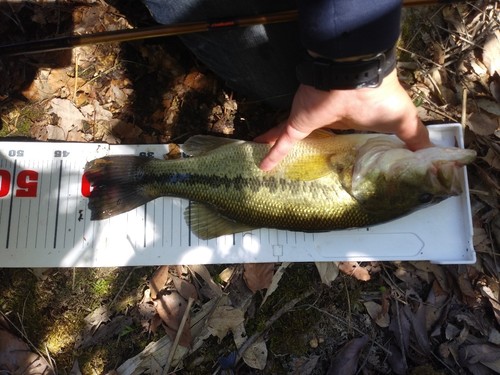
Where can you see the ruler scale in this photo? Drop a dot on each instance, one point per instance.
(45, 222)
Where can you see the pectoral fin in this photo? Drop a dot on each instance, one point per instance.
(309, 167)
(206, 222)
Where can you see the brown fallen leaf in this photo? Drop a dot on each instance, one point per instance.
(171, 308)
(434, 305)
(328, 271)
(258, 276)
(355, 270)
(185, 288)
(418, 324)
(17, 358)
(482, 123)
(346, 360)
(255, 355)
(491, 52)
(303, 365)
(158, 280)
(377, 313)
(486, 354)
(275, 281)
(225, 319)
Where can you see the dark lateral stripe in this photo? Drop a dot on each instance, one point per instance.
(237, 183)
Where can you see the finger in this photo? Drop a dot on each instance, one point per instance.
(282, 147)
(271, 135)
(415, 134)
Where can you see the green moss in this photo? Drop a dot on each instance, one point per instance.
(290, 334)
(50, 308)
(20, 120)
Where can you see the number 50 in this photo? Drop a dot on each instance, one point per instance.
(26, 182)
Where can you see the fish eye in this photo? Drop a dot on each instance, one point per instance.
(425, 197)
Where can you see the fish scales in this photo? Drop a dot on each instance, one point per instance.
(245, 193)
(325, 183)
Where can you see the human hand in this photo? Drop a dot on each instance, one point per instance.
(386, 109)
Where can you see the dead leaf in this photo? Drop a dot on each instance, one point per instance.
(97, 317)
(158, 280)
(227, 273)
(202, 270)
(69, 123)
(493, 299)
(355, 270)
(328, 271)
(225, 319)
(376, 312)
(303, 365)
(493, 159)
(185, 288)
(346, 360)
(435, 269)
(483, 124)
(17, 358)
(489, 106)
(486, 354)
(436, 300)
(255, 355)
(491, 52)
(418, 324)
(105, 332)
(275, 281)
(258, 276)
(96, 112)
(400, 327)
(171, 308)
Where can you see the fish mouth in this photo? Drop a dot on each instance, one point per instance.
(446, 177)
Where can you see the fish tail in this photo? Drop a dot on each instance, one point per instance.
(118, 185)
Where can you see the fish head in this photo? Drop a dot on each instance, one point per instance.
(389, 179)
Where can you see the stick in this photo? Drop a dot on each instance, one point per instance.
(68, 42)
(173, 348)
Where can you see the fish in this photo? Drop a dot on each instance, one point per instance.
(327, 182)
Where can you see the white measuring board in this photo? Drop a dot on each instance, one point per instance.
(45, 222)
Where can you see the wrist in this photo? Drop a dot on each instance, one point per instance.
(346, 73)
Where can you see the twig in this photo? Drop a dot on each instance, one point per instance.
(173, 348)
(24, 336)
(403, 349)
(343, 321)
(349, 311)
(278, 314)
(464, 107)
(121, 288)
(75, 86)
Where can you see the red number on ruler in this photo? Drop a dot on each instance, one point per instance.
(4, 183)
(27, 183)
(86, 188)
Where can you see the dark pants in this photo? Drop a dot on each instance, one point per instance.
(257, 61)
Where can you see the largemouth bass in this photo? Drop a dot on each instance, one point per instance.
(326, 183)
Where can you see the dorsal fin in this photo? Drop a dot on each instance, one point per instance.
(321, 134)
(201, 144)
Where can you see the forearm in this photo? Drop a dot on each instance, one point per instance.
(345, 28)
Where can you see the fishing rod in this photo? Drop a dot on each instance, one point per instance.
(72, 41)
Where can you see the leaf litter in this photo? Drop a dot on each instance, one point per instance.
(332, 317)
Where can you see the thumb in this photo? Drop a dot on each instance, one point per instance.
(415, 134)
(284, 143)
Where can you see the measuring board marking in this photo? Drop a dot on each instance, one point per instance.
(45, 221)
